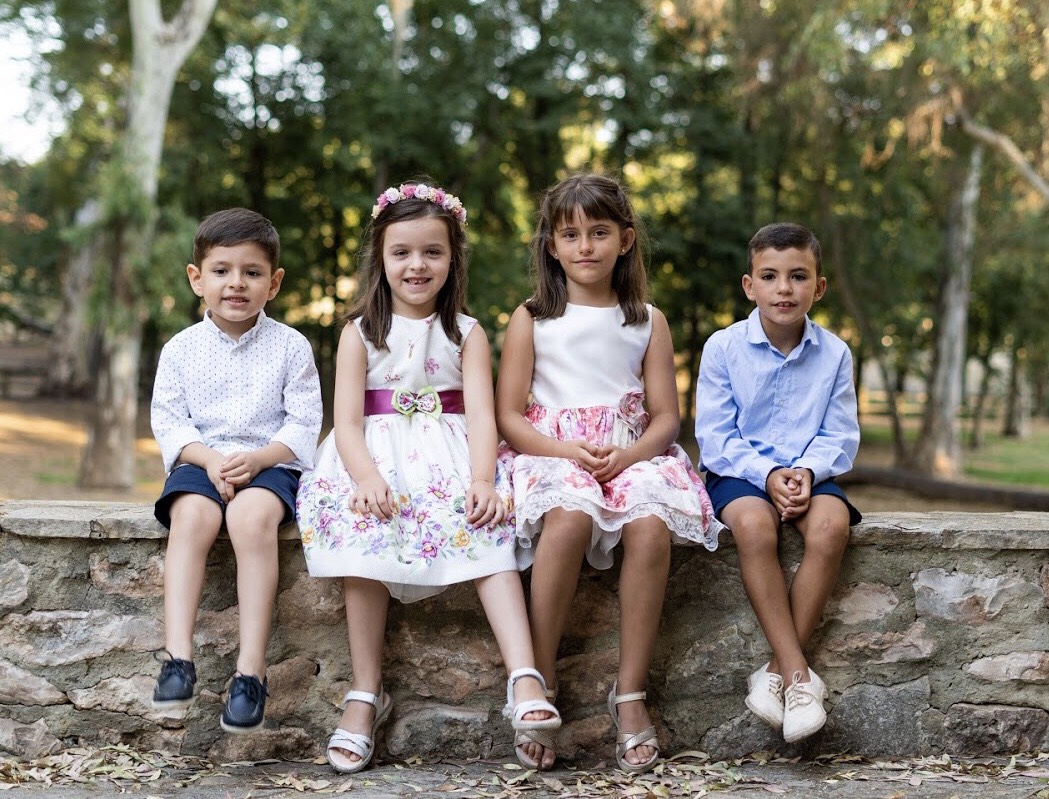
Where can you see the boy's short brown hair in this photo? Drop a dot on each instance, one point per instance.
(236, 226)
(784, 236)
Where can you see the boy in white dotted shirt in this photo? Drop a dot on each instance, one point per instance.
(237, 412)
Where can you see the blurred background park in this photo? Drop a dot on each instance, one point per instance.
(913, 137)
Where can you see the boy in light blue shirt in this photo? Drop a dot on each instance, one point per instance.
(776, 422)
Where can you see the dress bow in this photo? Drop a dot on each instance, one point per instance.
(425, 401)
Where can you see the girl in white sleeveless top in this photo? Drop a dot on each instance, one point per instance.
(587, 403)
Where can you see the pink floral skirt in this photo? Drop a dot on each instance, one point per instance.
(666, 486)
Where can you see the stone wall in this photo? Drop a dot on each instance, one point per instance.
(936, 641)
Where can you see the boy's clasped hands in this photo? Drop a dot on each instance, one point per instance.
(790, 490)
(229, 473)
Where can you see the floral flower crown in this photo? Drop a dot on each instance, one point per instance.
(420, 191)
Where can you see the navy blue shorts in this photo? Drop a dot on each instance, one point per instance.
(722, 490)
(190, 479)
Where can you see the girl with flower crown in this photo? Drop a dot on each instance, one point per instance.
(407, 497)
(587, 400)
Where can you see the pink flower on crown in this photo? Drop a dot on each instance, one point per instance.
(408, 191)
(439, 197)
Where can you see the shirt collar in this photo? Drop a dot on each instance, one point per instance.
(756, 333)
(246, 337)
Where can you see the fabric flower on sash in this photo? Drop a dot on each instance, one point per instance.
(425, 401)
(632, 412)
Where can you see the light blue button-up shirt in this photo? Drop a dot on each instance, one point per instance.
(757, 409)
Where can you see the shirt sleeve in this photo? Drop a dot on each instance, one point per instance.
(303, 410)
(722, 449)
(169, 410)
(833, 449)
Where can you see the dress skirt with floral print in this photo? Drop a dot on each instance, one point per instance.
(425, 459)
(666, 486)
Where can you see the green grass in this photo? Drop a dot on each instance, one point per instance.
(1011, 461)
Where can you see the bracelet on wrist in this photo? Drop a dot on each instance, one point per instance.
(482, 480)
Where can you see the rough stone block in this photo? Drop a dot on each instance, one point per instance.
(992, 729)
(965, 598)
(427, 729)
(862, 602)
(879, 720)
(14, 584)
(1028, 667)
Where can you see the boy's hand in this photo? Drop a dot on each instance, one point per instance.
(587, 455)
(241, 468)
(373, 496)
(483, 504)
(222, 485)
(790, 490)
(616, 460)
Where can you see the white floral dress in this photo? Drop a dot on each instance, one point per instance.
(423, 455)
(586, 384)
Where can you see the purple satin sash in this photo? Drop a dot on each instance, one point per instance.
(380, 400)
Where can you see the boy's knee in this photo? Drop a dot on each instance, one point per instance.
(827, 534)
(254, 515)
(196, 514)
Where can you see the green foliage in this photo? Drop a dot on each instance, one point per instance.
(720, 118)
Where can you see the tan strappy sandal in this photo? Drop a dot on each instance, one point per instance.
(625, 741)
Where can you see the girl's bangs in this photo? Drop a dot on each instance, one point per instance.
(591, 203)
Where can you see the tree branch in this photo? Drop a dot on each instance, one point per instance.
(1001, 143)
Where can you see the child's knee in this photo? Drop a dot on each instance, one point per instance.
(648, 536)
(827, 535)
(195, 514)
(254, 516)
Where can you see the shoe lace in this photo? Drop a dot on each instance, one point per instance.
(182, 668)
(250, 685)
(800, 693)
(775, 685)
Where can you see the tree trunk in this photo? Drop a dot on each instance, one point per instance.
(976, 431)
(68, 373)
(159, 49)
(1017, 420)
(938, 450)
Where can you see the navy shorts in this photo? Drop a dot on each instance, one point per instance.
(722, 490)
(189, 479)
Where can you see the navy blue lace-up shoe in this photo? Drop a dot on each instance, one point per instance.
(245, 704)
(174, 687)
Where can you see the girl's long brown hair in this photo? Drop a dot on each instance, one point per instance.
(374, 304)
(595, 197)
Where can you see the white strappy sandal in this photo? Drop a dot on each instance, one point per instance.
(625, 741)
(516, 713)
(525, 737)
(361, 745)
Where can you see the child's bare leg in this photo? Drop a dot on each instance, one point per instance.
(195, 523)
(252, 519)
(825, 528)
(642, 586)
(504, 604)
(555, 576)
(367, 602)
(755, 530)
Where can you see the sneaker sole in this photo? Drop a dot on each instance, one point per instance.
(171, 704)
(805, 732)
(235, 730)
(775, 723)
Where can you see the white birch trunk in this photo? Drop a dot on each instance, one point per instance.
(159, 50)
(938, 450)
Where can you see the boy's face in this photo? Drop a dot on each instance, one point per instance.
(784, 285)
(236, 283)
